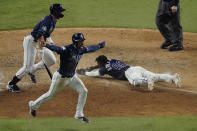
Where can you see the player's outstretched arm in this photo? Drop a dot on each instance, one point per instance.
(93, 48)
(55, 48)
(93, 73)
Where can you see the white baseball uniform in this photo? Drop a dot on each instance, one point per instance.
(30, 50)
(58, 83)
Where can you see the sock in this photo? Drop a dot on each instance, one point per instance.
(14, 81)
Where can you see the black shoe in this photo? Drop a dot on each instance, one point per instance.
(165, 45)
(176, 48)
(13, 88)
(32, 77)
(31, 111)
(83, 119)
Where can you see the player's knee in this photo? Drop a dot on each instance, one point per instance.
(53, 61)
(137, 82)
(50, 62)
(27, 69)
(83, 90)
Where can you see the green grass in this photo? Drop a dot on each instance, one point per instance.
(22, 14)
(101, 124)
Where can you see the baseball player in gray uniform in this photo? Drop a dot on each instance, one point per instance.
(168, 23)
(31, 45)
(65, 75)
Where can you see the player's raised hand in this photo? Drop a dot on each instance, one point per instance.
(102, 44)
(41, 42)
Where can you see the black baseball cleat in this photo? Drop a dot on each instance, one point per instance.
(13, 88)
(176, 48)
(31, 111)
(32, 77)
(165, 45)
(83, 119)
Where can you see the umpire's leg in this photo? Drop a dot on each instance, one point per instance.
(162, 22)
(177, 29)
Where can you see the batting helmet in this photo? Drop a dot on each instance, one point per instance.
(77, 37)
(56, 10)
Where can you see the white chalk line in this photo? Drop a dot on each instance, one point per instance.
(2, 84)
(160, 86)
(175, 89)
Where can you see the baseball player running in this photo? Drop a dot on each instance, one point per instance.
(31, 45)
(136, 75)
(65, 75)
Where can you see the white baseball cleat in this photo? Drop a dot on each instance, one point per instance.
(151, 83)
(31, 110)
(177, 80)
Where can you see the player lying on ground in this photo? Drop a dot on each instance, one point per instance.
(31, 45)
(136, 75)
(65, 76)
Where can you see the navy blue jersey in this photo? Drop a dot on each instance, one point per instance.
(70, 56)
(114, 68)
(44, 28)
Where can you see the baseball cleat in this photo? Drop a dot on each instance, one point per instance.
(32, 77)
(176, 48)
(151, 84)
(13, 88)
(177, 80)
(165, 45)
(83, 119)
(31, 111)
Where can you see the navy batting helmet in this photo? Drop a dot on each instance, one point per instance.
(56, 10)
(77, 37)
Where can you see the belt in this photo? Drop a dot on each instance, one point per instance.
(63, 76)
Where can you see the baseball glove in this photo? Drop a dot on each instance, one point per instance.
(81, 71)
(88, 69)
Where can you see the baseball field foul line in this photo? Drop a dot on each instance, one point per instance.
(175, 89)
(159, 86)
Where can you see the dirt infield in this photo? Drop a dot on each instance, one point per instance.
(106, 96)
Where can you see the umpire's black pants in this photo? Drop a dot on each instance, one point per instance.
(170, 27)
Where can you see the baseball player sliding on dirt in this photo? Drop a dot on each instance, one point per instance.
(31, 45)
(136, 75)
(65, 76)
